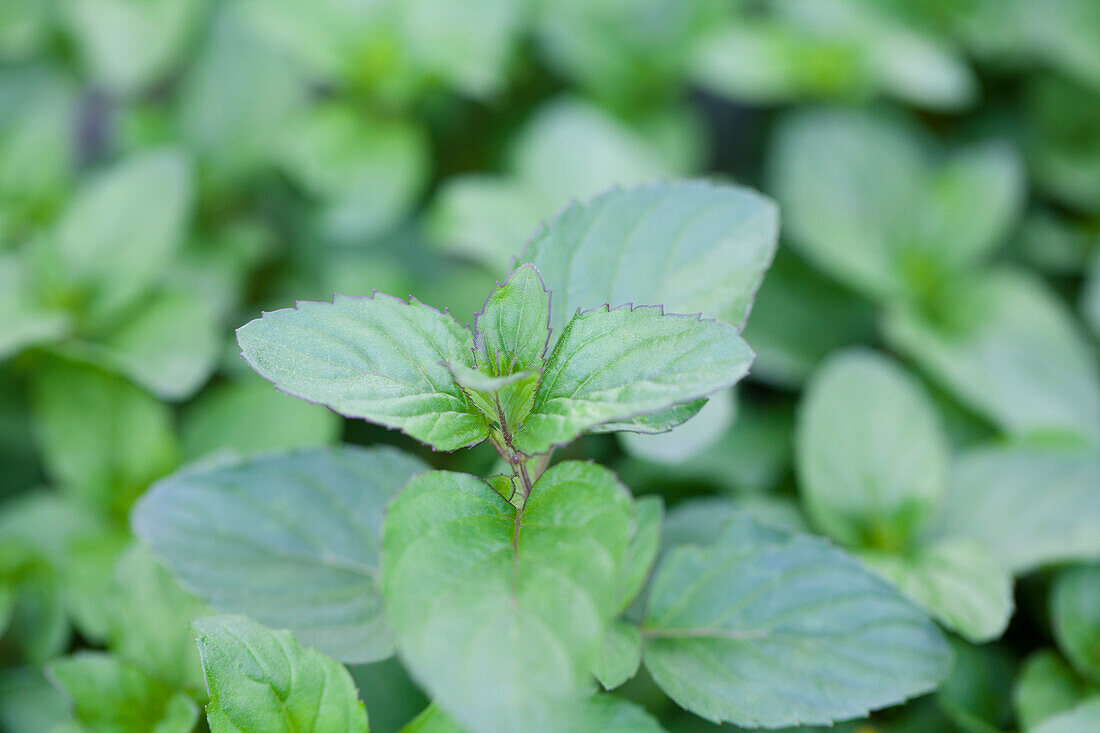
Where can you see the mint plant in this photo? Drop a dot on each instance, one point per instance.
(508, 596)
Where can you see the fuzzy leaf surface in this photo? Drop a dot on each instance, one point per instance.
(261, 679)
(767, 629)
(291, 539)
(501, 622)
(690, 246)
(610, 364)
(377, 358)
(512, 330)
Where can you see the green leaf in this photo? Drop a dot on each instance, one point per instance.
(377, 358)
(1045, 687)
(291, 539)
(366, 171)
(799, 318)
(170, 347)
(893, 232)
(24, 322)
(247, 416)
(121, 230)
(148, 626)
(1084, 718)
(976, 694)
(599, 714)
(1075, 616)
(957, 581)
(841, 206)
(706, 247)
(260, 679)
(504, 402)
(690, 438)
(641, 551)
(125, 45)
(501, 618)
(101, 438)
(872, 458)
(993, 350)
(29, 703)
(620, 656)
(111, 696)
(513, 328)
(767, 629)
(1030, 506)
(615, 363)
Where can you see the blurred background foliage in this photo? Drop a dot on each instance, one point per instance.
(170, 167)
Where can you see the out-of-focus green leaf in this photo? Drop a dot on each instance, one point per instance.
(778, 644)
(101, 437)
(498, 618)
(149, 621)
(957, 581)
(170, 346)
(830, 49)
(260, 679)
(598, 714)
(24, 321)
(125, 45)
(291, 539)
(366, 172)
(1064, 137)
(1075, 612)
(29, 704)
(110, 696)
(613, 364)
(994, 347)
(1045, 686)
(120, 232)
(863, 202)
(37, 149)
(871, 455)
(236, 101)
(798, 319)
(976, 694)
(247, 416)
(377, 358)
(621, 654)
(1031, 506)
(1090, 296)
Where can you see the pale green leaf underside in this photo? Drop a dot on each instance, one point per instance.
(610, 364)
(291, 539)
(263, 680)
(1029, 506)
(377, 358)
(957, 581)
(871, 455)
(691, 246)
(620, 655)
(598, 714)
(503, 637)
(1085, 718)
(768, 629)
(513, 328)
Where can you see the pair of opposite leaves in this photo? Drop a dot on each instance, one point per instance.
(411, 367)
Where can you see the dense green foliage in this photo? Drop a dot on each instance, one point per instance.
(662, 365)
